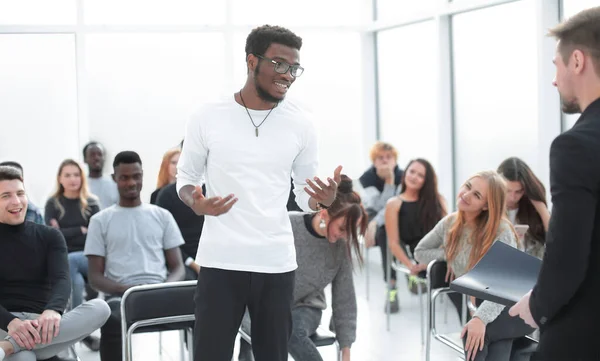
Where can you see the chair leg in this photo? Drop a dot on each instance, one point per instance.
(160, 344)
(366, 253)
(190, 338)
(422, 319)
(429, 323)
(181, 345)
(339, 352)
(388, 304)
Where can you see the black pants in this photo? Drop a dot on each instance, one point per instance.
(221, 300)
(110, 340)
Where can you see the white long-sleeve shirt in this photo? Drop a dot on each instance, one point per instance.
(221, 147)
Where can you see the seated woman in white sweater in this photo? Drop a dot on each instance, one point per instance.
(324, 242)
(462, 239)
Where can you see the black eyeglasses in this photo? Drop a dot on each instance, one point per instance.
(282, 68)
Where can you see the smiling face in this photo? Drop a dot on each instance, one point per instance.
(13, 202)
(414, 177)
(473, 195)
(270, 85)
(129, 179)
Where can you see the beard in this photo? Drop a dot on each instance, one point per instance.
(263, 94)
(569, 106)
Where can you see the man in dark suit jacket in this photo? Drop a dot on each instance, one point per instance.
(564, 302)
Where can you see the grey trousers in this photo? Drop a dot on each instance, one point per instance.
(75, 325)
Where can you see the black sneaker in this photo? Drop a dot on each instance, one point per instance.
(92, 342)
(392, 301)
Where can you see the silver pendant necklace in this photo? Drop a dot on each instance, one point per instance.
(252, 120)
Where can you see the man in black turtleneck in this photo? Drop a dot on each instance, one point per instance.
(35, 284)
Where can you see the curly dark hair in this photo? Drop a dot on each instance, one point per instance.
(259, 39)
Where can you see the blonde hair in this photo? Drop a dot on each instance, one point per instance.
(487, 222)
(84, 193)
(380, 147)
(163, 173)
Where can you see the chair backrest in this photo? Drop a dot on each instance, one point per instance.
(437, 274)
(158, 300)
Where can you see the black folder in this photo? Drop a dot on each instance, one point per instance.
(504, 275)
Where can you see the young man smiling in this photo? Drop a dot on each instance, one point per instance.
(35, 284)
(247, 146)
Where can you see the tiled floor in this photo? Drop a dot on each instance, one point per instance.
(374, 343)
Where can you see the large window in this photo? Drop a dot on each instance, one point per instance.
(37, 12)
(38, 107)
(403, 9)
(495, 87)
(154, 12)
(407, 91)
(301, 13)
(143, 87)
(570, 8)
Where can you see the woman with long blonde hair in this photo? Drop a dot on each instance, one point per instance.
(462, 239)
(69, 210)
(167, 173)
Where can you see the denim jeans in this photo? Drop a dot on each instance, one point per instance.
(78, 266)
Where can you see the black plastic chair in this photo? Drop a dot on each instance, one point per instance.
(156, 308)
(523, 347)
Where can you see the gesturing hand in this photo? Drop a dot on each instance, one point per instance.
(49, 325)
(214, 206)
(324, 193)
(25, 333)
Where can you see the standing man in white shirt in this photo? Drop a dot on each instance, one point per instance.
(246, 147)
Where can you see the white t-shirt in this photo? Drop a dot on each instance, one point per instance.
(133, 241)
(221, 147)
(105, 189)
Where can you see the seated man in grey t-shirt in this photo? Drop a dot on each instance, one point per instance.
(130, 244)
(103, 187)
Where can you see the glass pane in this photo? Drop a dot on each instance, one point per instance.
(154, 12)
(407, 96)
(144, 87)
(400, 9)
(38, 107)
(38, 12)
(495, 88)
(334, 97)
(570, 8)
(308, 12)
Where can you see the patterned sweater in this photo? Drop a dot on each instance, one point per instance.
(433, 245)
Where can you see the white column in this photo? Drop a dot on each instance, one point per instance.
(82, 94)
(446, 166)
(548, 100)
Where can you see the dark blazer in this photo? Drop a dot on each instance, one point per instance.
(565, 302)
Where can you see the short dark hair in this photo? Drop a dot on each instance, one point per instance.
(10, 173)
(126, 157)
(10, 163)
(259, 39)
(581, 31)
(90, 144)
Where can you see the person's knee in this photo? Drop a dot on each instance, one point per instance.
(298, 333)
(97, 314)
